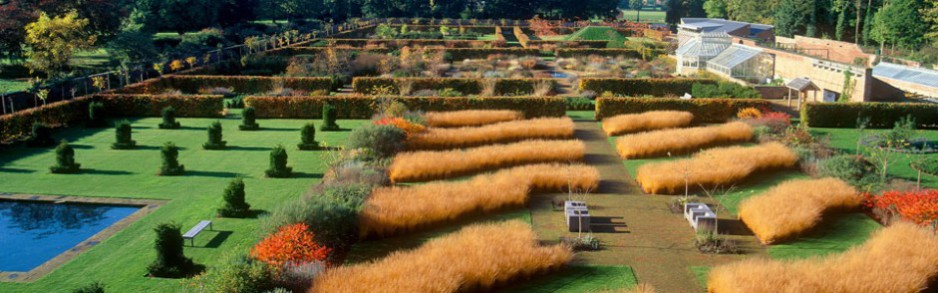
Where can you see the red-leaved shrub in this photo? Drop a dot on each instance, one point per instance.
(292, 244)
(920, 207)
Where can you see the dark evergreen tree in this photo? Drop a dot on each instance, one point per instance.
(171, 166)
(215, 141)
(278, 163)
(170, 261)
(65, 160)
(169, 119)
(235, 204)
(329, 117)
(308, 138)
(123, 133)
(248, 120)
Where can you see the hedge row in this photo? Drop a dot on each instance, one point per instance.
(642, 86)
(567, 44)
(417, 42)
(567, 53)
(704, 110)
(192, 84)
(16, 126)
(364, 107)
(459, 54)
(881, 115)
(151, 105)
(467, 86)
(293, 51)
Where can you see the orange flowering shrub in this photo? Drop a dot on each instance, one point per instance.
(408, 127)
(749, 113)
(292, 244)
(919, 207)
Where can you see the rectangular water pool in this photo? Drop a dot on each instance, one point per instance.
(33, 232)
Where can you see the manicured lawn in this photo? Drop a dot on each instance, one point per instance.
(577, 279)
(645, 16)
(700, 274)
(120, 262)
(845, 139)
(12, 86)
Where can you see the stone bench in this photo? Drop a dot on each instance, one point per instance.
(577, 216)
(700, 216)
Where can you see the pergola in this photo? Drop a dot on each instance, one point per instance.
(802, 85)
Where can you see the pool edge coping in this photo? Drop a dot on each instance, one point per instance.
(147, 206)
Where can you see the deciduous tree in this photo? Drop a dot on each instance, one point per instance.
(53, 41)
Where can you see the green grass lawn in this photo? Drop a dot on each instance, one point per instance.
(579, 279)
(12, 86)
(845, 140)
(651, 16)
(120, 261)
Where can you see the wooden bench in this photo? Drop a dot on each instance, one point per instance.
(196, 230)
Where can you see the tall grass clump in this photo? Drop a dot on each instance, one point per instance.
(652, 120)
(674, 141)
(898, 258)
(476, 258)
(715, 167)
(512, 131)
(795, 206)
(430, 165)
(470, 117)
(392, 210)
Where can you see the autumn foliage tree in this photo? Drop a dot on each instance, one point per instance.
(53, 40)
(290, 245)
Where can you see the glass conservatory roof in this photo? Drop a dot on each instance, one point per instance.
(920, 76)
(705, 45)
(735, 55)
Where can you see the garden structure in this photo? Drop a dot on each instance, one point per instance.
(530, 161)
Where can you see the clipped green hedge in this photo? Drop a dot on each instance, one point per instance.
(192, 84)
(17, 126)
(568, 52)
(642, 86)
(881, 115)
(467, 86)
(123, 105)
(704, 110)
(364, 107)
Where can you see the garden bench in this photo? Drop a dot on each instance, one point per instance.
(196, 230)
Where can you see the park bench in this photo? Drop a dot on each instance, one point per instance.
(196, 230)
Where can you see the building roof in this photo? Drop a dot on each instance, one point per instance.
(802, 85)
(705, 45)
(715, 25)
(914, 75)
(734, 55)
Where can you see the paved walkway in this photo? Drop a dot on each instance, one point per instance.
(636, 229)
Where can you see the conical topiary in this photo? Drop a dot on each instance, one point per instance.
(278, 163)
(248, 120)
(235, 204)
(65, 160)
(169, 119)
(215, 141)
(308, 138)
(123, 136)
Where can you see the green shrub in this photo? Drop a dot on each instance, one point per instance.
(704, 110)
(215, 141)
(123, 133)
(40, 136)
(96, 115)
(234, 103)
(336, 223)
(170, 261)
(308, 138)
(152, 106)
(724, 90)
(928, 165)
(357, 107)
(248, 120)
(169, 119)
(65, 160)
(240, 274)
(579, 103)
(95, 287)
(329, 116)
(880, 115)
(353, 194)
(853, 169)
(278, 163)
(448, 92)
(235, 205)
(379, 141)
(636, 87)
(171, 167)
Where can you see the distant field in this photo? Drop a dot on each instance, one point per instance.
(653, 16)
(9, 86)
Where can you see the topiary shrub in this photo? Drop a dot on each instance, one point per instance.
(96, 287)
(65, 159)
(40, 136)
(248, 120)
(96, 116)
(235, 205)
(170, 261)
(171, 166)
(379, 141)
(278, 163)
(123, 136)
(215, 141)
(856, 170)
(169, 119)
(329, 116)
(308, 138)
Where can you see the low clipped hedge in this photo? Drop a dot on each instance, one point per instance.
(568, 52)
(704, 110)
(642, 86)
(364, 107)
(568, 44)
(292, 51)
(467, 86)
(16, 126)
(192, 84)
(459, 54)
(881, 115)
(123, 105)
(398, 43)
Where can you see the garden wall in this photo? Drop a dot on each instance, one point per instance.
(642, 86)
(364, 107)
(881, 115)
(704, 110)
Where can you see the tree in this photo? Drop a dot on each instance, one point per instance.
(278, 164)
(715, 8)
(134, 42)
(180, 15)
(930, 15)
(637, 6)
(899, 23)
(65, 160)
(170, 260)
(751, 11)
(53, 41)
(14, 16)
(235, 205)
(794, 17)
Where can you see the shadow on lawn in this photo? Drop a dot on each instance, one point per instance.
(277, 129)
(734, 227)
(608, 225)
(104, 172)
(219, 174)
(219, 238)
(306, 175)
(14, 170)
(244, 148)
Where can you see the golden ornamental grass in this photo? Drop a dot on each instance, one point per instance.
(795, 206)
(475, 258)
(393, 210)
(675, 141)
(652, 120)
(431, 165)
(512, 131)
(470, 117)
(899, 258)
(714, 167)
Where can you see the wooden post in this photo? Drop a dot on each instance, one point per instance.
(789, 97)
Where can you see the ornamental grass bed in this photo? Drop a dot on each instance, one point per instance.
(677, 141)
(652, 120)
(470, 117)
(504, 132)
(795, 206)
